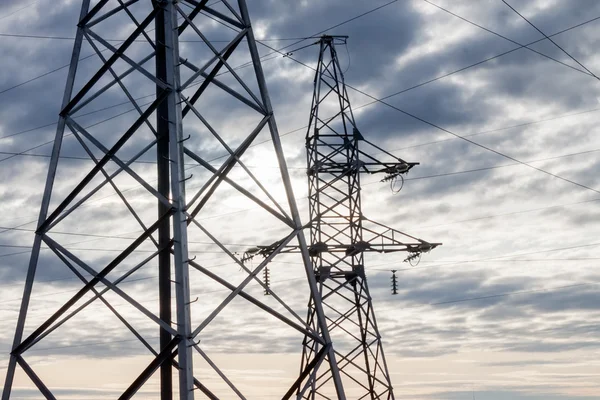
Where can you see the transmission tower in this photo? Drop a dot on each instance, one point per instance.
(153, 146)
(337, 155)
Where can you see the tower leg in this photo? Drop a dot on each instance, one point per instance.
(164, 188)
(173, 122)
(320, 315)
(35, 251)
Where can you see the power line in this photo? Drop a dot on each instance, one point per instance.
(511, 213)
(20, 9)
(438, 265)
(357, 17)
(548, 290)
(478, 63)
(277, 51)
(43, 75)
(490, 168)
(118, 236)
(475, 143)
(239, 67)
(283, 48)
(553, 42)
(53, 71)
(5, 229)
(502, 129)
(21, 154)
(46, 294)
(102, 250)
(493, 296)
(78, 116)
(70, 134)
(71, 277)
(23, 36)
(506, 38)
(450, 132)
(533, 260)
(402, 91)
(80, 249)
(303, 168)
(437, 78)
(454, 262)
(361, 106)
(540, 291)
(112, 237)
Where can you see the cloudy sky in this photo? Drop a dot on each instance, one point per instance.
(507, 308)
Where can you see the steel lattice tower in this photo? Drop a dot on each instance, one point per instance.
(172, 128)
(340, 234)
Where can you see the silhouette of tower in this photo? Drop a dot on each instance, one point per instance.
(337, 155)
(175, 79)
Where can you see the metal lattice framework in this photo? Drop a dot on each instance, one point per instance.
(172, 128)
(340, 235)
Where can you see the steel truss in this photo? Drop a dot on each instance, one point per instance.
(340, 235)
(180, 82)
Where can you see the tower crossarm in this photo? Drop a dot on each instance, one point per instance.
(377, 238)
(383, 239)
(376, 160)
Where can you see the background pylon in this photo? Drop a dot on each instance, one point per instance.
(337, 154)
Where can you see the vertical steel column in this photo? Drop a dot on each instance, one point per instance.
(163, 187)
(180, 240)
(35, 251)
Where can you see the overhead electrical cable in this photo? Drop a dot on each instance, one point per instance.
(477, 63)
(548, 290)
(502, 129)
(493, 296)
(553, 42)
(541, 291)
(468, 171)
(433, 125)
(512, 213)
(5, 229)
(70, 134)
(262, 57)
(396, 93)
(441, 77)
(454, 262)
(53, 71)
(23, 36)
(508, 39)
(19, 10)
(304, 168)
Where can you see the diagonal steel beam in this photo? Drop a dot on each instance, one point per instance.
(87, 179)
(35, 251)
(35, 379)
(112, 265)
(239, 188)
(164, 356)
(96, 275)
(121, 50)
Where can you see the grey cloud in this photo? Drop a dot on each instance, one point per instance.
(482, 98)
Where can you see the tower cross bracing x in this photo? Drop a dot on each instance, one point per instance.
(181, 130)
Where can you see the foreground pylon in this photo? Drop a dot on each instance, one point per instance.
(152, 144)
(337, 155)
